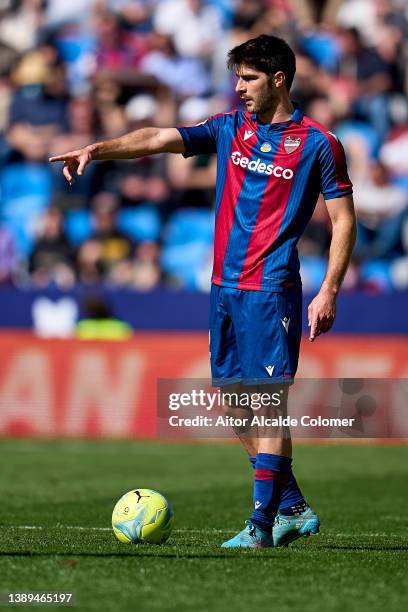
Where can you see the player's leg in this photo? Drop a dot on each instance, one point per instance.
(232, 316)
(258, 351)
(269, 446)
(234, 407)
(291, 514)
(279, 506)
(225, 366)
(267, 442)
(268, 348)
(275, 486)
(295, 518)
(226, 373)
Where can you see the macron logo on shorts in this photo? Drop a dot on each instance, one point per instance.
(285, 322)
(260, 167)
(270, 369)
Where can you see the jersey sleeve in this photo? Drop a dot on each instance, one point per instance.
(334, 179)
(201, 138)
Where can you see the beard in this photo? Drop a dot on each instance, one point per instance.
(265, 101)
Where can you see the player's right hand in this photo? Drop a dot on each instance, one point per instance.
(321, 314)
(74, 162)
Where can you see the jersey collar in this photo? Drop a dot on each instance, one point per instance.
(297, 113)
(296, 117)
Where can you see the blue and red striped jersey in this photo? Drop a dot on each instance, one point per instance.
(269, 177)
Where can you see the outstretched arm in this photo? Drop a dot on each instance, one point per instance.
(322, 310)
(139, 143)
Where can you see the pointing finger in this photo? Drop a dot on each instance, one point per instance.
(61, 157)
(309, 316)
(313, 330)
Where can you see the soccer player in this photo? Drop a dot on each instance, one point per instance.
(272, 163)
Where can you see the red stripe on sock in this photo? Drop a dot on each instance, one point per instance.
(265, 474)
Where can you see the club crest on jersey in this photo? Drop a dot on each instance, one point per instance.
(266, 147)
(290, 144)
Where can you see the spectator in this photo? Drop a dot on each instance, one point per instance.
(142, 272)
(136, 14)
(321, 109)
(82, 124)
(19, 27)
(316, 239)
(193, 25)
(40, 97)
(51, 260)
(394, 152)
(99, 324)
(359, 14)
(82, 127)
(381, 210)
(316, 11)
(147, 273)
(193, 179)
(115, 245)
(371, 80)
(58, 13)
(25, 183)
(106, 95)
(89, 264)
(140, 181)
(185, 76)
(117, 48)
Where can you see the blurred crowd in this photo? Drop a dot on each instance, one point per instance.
(75, 72)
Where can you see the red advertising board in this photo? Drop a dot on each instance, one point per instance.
(108, 389)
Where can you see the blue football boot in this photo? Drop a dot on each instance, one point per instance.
(250, 537)
(287, 529)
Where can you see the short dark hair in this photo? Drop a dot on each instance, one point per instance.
(267, 54)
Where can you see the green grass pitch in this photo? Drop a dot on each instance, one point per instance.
(57, 499)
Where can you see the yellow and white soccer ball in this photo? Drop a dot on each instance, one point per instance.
(142, 515)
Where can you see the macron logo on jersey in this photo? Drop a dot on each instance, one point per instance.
(258, 166)
(248, 134)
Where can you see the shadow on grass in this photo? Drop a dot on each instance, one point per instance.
(201, 555)
(122, 555)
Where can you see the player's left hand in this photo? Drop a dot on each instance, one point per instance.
(321, 314)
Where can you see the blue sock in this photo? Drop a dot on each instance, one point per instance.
(295, 509)
(291, 495)
(271, 476)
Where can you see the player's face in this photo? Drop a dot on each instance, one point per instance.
(256, 89)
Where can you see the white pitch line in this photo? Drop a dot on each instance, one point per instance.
(41, 527)
(192, 531)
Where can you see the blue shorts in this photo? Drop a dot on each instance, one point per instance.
(254, 335)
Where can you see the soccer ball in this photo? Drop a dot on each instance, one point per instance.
(142, 515)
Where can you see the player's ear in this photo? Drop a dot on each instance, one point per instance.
(279, 79)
